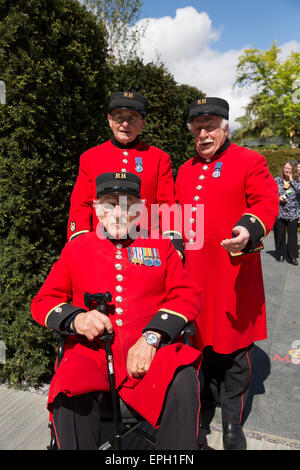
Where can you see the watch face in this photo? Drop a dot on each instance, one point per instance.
(152, 339)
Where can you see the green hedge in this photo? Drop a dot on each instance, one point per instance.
(53, 62)
(277, 157)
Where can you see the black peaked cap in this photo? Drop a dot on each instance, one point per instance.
(118, 183)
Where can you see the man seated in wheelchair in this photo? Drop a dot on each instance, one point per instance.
(153, 298)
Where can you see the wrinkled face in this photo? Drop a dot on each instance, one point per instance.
(208, 134)
(126, 124)
(117, 212)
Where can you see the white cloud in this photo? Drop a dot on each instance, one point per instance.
(186, 35)
(184, 45)
(287, 48)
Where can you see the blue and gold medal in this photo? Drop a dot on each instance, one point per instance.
(217, 170)
(148, 258)
(156, 260)
(139, 164)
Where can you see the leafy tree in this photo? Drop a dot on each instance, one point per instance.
(119, 18)
(53, 63)
(275, 107)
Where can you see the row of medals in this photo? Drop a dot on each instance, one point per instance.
(144, 256)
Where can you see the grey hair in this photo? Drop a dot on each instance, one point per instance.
(224, 124)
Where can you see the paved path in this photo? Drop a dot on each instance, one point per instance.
(273, 412)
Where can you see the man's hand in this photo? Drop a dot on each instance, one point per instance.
(139, 357)
(238, 243)
(92, 324)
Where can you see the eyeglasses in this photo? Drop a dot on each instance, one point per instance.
(209, 127)
(120, 118)
(125, 208)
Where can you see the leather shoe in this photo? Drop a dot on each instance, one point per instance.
(233, 437)
(280, 259)
(294, 261)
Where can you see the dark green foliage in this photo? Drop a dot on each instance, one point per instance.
(168, 107)
(53, 62)
(277, 157)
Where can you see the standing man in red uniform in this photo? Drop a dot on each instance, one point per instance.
(123, 152)
(239, 200)
(153, 298)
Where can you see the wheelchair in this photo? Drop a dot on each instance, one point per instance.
(124, 419)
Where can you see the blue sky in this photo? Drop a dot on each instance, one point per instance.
(200, 42)
(256, 23)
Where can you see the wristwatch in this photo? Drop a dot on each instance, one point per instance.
(152, 338)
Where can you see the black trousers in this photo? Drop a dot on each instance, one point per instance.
(77, 420)
(281, 229)
(226, 380)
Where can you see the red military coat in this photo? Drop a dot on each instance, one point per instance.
(162, 298)
(151, 164)
(234, 188)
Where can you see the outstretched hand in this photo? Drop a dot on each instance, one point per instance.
(238, 243)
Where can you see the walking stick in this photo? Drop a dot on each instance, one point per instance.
(101, 300)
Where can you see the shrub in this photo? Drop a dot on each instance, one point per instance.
(53, 62)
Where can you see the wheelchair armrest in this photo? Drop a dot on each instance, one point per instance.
(188, 331)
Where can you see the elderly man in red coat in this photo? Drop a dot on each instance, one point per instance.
(124, 152)
(234, 191)
(153, 298)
